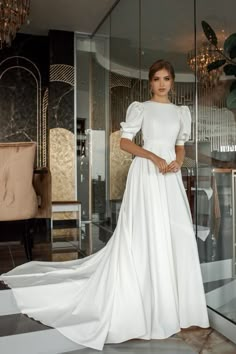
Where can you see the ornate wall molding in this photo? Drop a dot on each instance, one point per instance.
(26, 65)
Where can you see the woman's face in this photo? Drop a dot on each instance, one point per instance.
(161, 83)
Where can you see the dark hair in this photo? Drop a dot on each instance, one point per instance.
(159, 65)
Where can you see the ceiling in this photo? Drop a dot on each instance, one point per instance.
(68, 15)
(167, 26)
(158, 18)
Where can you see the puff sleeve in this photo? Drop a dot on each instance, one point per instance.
(133, 120)
(185, 125)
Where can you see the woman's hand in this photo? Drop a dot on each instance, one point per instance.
(174, 166)
(160, 163)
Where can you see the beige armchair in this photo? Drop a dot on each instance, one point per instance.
(24, 191)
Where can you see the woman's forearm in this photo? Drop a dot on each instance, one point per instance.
(129, 146)
(132, 148)
(180, 154)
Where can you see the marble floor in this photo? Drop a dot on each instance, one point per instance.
(22, 335)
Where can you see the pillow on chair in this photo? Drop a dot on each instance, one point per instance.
(18, 200)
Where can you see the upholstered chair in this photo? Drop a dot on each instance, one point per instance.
(24, 194)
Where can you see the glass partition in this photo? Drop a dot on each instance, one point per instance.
(135, 34)
(164, 37)
(124, 89)
(93, 67)
(100, 120)
(100, 126)
(215, 209)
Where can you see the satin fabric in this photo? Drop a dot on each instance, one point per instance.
(146, 282)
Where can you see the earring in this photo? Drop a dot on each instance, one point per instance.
(172, 92)
(150, 92)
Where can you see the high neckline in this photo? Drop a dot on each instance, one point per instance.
(164, 103)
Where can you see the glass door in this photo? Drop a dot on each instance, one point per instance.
(216, 153)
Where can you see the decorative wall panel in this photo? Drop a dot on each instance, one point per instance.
(62, 163)
(23, 81)
(61, 115)
(119, 166)
(29, 104)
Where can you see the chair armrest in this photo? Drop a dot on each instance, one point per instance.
(42, 186)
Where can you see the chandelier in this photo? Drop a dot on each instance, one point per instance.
(206, 54)
(13, 14)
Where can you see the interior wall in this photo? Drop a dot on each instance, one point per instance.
(37, 103)
(61, 115)
(24, 74)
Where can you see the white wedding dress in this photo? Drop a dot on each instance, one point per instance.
(146, 282)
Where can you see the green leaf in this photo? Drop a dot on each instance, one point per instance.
(233, 86)
(230, 69)
(231, 100)
(209, 33)
(215, 64)
(230, 45)
(232, 53)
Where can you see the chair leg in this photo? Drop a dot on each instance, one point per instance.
(27, 241)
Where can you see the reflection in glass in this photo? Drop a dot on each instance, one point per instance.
(121, 56)
(216, 163)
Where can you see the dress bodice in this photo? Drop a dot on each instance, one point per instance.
(164, 123)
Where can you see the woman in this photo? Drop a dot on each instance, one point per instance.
(146, 283)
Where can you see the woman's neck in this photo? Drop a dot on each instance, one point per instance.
(160, 99)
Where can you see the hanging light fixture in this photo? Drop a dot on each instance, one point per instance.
(206, 54)
(13, 14)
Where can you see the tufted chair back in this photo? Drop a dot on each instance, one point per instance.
(18, 200)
